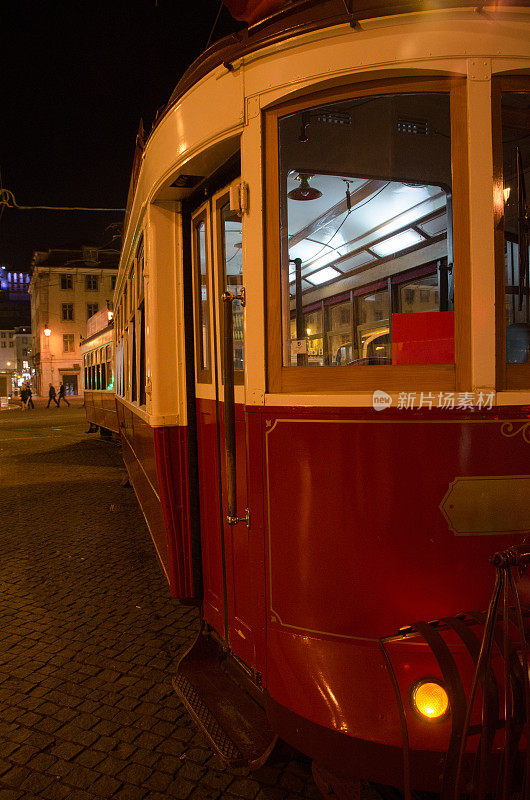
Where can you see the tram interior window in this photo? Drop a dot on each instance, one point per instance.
(516, 169)
(203, 305)
(141, 377)
(103, 377)
(366, 232)
(232, 233)
(134, 384)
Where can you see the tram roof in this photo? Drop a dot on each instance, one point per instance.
(272, 21)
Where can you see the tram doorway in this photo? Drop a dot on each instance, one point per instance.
(216, 238)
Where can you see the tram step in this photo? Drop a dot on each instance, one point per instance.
(219, 699)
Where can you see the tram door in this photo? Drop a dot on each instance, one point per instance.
(218, 268)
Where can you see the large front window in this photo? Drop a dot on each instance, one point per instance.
(365, 206)
(366, 231)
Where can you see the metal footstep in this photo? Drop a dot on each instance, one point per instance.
(220, 698)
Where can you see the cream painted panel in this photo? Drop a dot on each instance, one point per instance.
(161, 307)
(253, 264)
(211, 110)
(438, 41)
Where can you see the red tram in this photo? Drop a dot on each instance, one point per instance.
(98, 365)
(323, 385)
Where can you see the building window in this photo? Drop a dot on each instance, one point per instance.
(68, 343)
(24, 351)
(10, 335)
(3, 335)
(91, 309)
(66, 282)
(91, 283)
(68, 311)
(11, 344)
(3, 344)
(113, 281)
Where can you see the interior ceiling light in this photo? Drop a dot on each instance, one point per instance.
(323, 275)
(304, 191)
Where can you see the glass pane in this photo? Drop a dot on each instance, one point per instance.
(202, 311)
(365, 210)
(232, 233)
(516, 169)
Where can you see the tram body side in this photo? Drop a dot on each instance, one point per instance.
(99, 393)
(361, 522)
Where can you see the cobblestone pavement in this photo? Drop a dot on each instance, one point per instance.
(89, 636)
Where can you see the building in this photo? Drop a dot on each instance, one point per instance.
(14, 299)
(16, 355)
(67, 287)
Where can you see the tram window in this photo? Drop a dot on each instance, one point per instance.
(365, 206)
(515, 115)
(141, 376)
(203, 304)
(132, 339)
(232, 279)
(110, 377)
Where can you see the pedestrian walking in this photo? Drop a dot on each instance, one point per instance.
(52, 396)
(29, 395)
(62, 395)
(23, 397)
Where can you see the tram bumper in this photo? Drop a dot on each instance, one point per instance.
(481, 660)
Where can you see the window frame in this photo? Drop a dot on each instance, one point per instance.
(314, 379)
(70, 338)
(508, 376)
(220, 202)
(67, 310)
(89, 278)
(202, 215)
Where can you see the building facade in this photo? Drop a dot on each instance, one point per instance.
(67, 287)
(16, 359)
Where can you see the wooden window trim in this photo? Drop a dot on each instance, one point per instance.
(443, 377)
(203, 375)
(508, 376)
(239, 374)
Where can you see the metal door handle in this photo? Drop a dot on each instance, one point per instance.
(229, 409)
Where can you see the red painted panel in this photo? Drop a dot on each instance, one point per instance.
(252, 10)
(427, 338)
(213, 607)
(239, 568)
(157, 463)
(358, 547)
(171, 455)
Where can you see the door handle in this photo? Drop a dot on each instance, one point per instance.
(232, 518)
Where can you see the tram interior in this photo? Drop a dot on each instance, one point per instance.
(515, 115)
(366, 226)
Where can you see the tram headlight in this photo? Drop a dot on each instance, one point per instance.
(430, 700)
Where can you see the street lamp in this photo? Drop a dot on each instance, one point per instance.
(47, 331)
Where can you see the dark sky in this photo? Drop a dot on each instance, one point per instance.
(76, 76)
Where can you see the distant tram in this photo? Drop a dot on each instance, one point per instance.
(98, 366)
(322, 321)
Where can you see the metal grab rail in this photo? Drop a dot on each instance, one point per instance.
(503, 707)
(229, 409)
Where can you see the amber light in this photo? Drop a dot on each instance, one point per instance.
(430, 700)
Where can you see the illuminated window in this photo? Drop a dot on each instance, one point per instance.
(365, 212)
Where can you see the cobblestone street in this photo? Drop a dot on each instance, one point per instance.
(89, 636)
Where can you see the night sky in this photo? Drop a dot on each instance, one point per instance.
(76, 77)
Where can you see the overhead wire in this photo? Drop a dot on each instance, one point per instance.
(7, 200)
